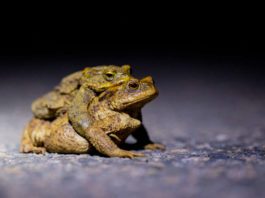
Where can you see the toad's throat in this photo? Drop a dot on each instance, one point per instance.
(142, 101)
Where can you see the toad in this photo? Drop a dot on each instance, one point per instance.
(113, 116)
(75, 93)
(96, 80)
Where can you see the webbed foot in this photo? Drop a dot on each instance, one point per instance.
(32, 149)
(155, 146)
(126, 154)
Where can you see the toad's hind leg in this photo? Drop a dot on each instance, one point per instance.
(64, 139)
(32, 137)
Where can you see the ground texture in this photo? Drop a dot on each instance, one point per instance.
(185, 169)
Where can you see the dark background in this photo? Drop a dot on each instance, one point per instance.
(208, 63)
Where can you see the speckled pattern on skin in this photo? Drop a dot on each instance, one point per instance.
(110, 118)
(94, 79)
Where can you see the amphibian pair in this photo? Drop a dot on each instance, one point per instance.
(96, 109)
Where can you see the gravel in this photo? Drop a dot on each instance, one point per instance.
(186, 169)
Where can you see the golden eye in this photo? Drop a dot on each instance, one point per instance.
(109, 76)
(133, 85)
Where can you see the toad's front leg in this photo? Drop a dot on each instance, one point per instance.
(103, 144)
(96, 134)
(144, 141)
(77, 112)
(142, 137)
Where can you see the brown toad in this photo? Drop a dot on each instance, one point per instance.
(113, 116)
(95, 79)
(76, 91)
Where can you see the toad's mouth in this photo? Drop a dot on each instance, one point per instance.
(140, 101)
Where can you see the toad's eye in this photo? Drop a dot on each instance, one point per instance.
(133, 85)
(109, 76)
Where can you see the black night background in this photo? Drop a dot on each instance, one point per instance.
(209, 68)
